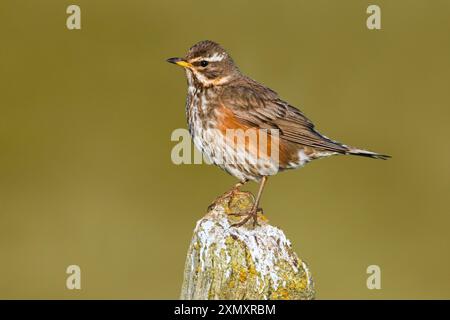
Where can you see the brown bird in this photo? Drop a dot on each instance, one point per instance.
(244, 127)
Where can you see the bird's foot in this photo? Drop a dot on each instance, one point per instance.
(227, 195)
(251, 214)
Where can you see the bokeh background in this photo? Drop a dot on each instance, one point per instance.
(86, 117)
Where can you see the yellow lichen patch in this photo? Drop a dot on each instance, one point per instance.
(252, 270)
(250, 263)
(196, 245)
(243, 275)
(262, 217)
(240, 202)
(229, 240)
(280, 294)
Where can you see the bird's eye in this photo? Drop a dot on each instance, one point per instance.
(204, 63)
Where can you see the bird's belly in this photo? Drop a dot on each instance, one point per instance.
(235, 159)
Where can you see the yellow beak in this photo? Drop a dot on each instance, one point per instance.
(179, 61)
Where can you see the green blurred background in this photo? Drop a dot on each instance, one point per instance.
(86, 116)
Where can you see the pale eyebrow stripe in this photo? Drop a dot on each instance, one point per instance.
(214, 58)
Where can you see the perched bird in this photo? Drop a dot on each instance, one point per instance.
(221, 100)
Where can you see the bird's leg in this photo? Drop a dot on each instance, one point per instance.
(229, 194)
(237, 186)
(253, 213)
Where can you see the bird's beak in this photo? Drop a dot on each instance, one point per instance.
(179, 61)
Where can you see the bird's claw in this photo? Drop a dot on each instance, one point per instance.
(253, 213)
(229, 194)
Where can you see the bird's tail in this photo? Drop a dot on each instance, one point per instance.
(368, 154)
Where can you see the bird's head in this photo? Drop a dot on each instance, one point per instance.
(208, 63)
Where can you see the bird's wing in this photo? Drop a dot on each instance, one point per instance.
(256, 106)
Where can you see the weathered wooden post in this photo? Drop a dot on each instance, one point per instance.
(224, 262)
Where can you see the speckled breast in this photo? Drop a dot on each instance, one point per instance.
(221, 144)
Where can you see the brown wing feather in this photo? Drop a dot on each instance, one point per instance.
(257, 106)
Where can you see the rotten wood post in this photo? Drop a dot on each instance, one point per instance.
(225, 262)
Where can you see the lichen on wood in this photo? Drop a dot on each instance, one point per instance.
(225, 262)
